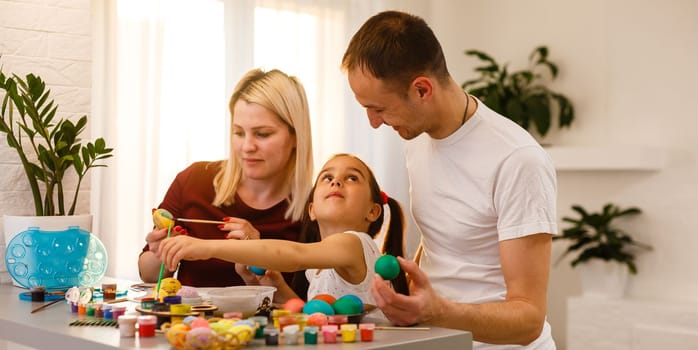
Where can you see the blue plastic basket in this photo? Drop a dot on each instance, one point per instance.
(56, 259)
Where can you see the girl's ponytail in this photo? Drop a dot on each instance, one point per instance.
(394, 242)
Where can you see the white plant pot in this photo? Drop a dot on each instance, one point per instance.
(605, 279)
(14, 225)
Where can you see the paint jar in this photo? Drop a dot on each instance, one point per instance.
(37, 293)
(107, 312)
(146, 325)
(74, 307)
(287, 321)
(147, 303)
(329, 334)
(290, 334)
(90, 310)
(276, 313)
(261, 322)
(271, 336)
(99, 313)
(310, 334)
(337, 320)
(178, 312)
(127, 326)
(366, 331)
(161, 308)
(348, 332)
(117, 311)
(108, 291)
(81, 309)
(172, 299)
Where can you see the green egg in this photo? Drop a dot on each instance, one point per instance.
(387, 267)
(348, 306)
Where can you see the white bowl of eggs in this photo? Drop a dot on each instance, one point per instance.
(244, 299)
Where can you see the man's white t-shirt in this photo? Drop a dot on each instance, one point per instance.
(489, 181)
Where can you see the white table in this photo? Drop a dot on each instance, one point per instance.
(49, 329)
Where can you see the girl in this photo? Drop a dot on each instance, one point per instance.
(344, 212)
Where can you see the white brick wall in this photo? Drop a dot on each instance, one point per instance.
(50, 38)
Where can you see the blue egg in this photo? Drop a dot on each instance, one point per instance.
(257, 270)
(316, 305)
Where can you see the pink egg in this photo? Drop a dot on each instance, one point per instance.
(199, 322)
(295, 305)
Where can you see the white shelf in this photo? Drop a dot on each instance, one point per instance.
(611, 158)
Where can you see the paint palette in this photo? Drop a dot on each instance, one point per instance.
(56, 259)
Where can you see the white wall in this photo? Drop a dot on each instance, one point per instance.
(50, 39)
(630, 67)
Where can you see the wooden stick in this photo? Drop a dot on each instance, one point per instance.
(46, 305)
(201, 221)
(389, 328)
(116, 301)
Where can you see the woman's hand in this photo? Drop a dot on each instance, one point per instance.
(239, 229)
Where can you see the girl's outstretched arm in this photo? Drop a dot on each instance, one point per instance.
(342, 252)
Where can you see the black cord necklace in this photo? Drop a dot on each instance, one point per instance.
(467, 104)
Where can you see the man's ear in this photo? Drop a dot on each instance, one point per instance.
(423, 86)
(374, 213)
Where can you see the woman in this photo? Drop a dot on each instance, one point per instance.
(259, 192)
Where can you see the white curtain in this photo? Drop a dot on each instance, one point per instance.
(164, 70)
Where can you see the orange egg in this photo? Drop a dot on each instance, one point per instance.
(326, 298)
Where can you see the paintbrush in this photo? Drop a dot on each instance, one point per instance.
(201, 221)
(46, 305)
(162, 267)
(391, 328)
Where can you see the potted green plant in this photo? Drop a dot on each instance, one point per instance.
(603, 248)
(521, 95)
(48, 148)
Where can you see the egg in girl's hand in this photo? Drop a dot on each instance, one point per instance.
(257, 270)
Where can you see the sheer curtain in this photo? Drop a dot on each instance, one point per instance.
(164, 70)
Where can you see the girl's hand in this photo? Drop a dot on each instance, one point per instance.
(154, 237)
(174, 249)
(239, 229)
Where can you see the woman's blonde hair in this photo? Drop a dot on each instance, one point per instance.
(285, 96)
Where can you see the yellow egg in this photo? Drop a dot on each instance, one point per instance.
(162, 218)
(169, 286)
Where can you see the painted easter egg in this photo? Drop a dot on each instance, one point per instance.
(348, 306)
(314, 306)
(330, 299)
(169, 286)
(200, 338)
(317, 319)
(257, 270)
(162, 218)
(295, 305)
(387, 267)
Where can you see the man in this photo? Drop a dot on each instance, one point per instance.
(482, 190)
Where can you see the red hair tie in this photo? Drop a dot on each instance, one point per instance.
(385, 197)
